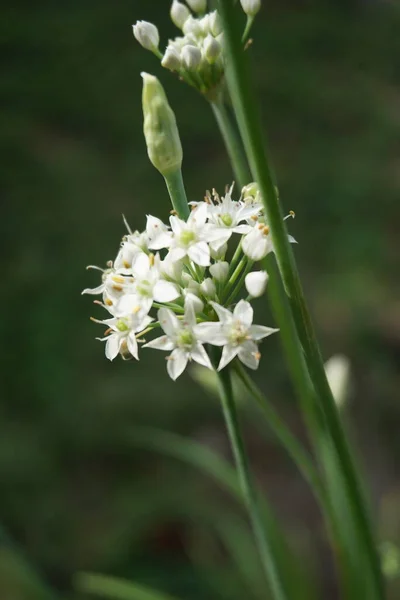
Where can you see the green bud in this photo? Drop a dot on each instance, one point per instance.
(160, 130)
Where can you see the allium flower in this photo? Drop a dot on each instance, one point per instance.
(255, 283)
(122, 333)
(147, 35)
(191, 237)
(257, 244)
(236, 333)
(181, 339)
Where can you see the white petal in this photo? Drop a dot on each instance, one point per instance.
(256, 282)
(199, 253)
(190, 315)
(199, 355)
(244, 312)
(291, 239)
(164, 291)
(228, 353)
(176, 363)
(162, 239)
(224, 315)
(132, 345)
(113, 345)
(198, 215)
(249, 355)
(258, 332)
(97, 290)
(176, 254)
(256, 245)
(242, 229)
(177, 225)
(211, 333)
(141, 265)
(160, 343)
(168, 321)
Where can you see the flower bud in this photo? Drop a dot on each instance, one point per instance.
(192, 26)
(212, 49)
(256, 282)
(208, 288)
(219, 253)
(171, 59)
(251, 7)
(195, 301)
(147, 35)
(191, 57)
(179, 13)
(198, 6)
(215, 23)
(160, 130)
(250, 190)
(220, 270)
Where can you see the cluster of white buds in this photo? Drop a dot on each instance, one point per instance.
(181, 270)
(197, 55)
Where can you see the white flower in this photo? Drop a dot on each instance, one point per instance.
(112, 287)
(256, 282)
(190, 237)
(147, 35)
(179, 13)
(257, 244)
(147, 286)
(157, 233)
(181, 339)
(123, 333)
(132, 245)
(236, 333)
(251, 7)
(220, 270)
(226, 216)
(171, 59)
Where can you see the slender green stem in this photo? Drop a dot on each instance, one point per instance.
(232, 142)
(240, 283)
(267, 557)
(293, 447)
(249, 24)
(235, 258)
(177, 193)
(249, 123)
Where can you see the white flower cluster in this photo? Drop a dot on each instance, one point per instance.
(197, 55)
(182, 270)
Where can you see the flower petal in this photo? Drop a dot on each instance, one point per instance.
(211, 333)
(164, 291)
(176, 363)
(249, 355)
(177, 225)
(198, 216)
(199, 355)
(113, 345)
(224, 315)
(168, 321)
(133, 345)
(161, 343)
(96, 290)
(228, 353)
(199, 253)
(258, 332)
(244, 312)
(176, 254)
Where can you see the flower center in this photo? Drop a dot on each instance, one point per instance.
(144, 288)
(226, 219)
(187, 237)
(238, 334)
(185, 338)
(121, 325)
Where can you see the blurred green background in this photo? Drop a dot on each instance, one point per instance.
(76, 492)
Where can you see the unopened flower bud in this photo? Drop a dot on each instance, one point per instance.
(256, 282)
(250, 190)
(219, 253)
(212, 49)
(179, 13)
(195, 301)
(220, 270)
(160, 130)
(251, 7)
(171, 59)
(198, 6)
(147, 35)
(191, 57)
(208, 288)
(192, 26)
(215, 23)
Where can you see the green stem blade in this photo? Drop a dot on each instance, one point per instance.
(268, 560)
(177, 193)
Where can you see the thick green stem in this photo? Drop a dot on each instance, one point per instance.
(233, 143)
(177, 193)
(267, 557)
(246, 110)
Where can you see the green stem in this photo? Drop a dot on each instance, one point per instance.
(293, 447)
(249, 124)
(240, 283)
(177, 193)
(249, 24)
(267, 557)
(232, 143)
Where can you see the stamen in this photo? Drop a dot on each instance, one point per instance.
(126, 264)
(151, 259)
(126, 224)
(136, 309)
(117, 288)
(118, 279)
(291, 214)
(173, 212)
(96, 268)
(265, 230)
(110, 264)
(254, 217)
(108, 302)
